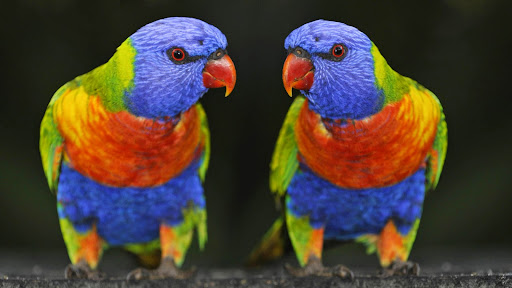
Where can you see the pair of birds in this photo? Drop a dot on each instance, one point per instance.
(126, 147)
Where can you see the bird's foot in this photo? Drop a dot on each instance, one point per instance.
(315, 268)
(399, 267)
(81, 270)
(167, 269)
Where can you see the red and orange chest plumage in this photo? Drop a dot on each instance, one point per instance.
(119, 149)
(377, 151)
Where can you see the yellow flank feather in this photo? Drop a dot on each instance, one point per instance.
(69, 113)
(430, 112)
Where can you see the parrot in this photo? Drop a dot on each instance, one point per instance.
(126, 146)
(358, 150)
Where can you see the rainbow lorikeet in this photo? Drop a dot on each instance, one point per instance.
(356, 153)
(126, 146)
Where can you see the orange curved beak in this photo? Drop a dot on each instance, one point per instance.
(297, 73)
(220, 73)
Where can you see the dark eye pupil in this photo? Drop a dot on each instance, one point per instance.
(338, 50)
(177, 54)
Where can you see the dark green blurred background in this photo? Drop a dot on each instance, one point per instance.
(459, 49)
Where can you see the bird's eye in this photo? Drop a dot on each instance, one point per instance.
(337, 53)
(338, 50)
(178, 54)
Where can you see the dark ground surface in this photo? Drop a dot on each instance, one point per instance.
(460, 267)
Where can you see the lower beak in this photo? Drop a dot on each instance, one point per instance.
(298, 73)
(220, 73)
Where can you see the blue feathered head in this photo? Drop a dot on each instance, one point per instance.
(333, 66)
(177, 59)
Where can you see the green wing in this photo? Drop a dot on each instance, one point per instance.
(284, 161)
(437, 155)
(50, 141)
(205, 132)
(199, 215)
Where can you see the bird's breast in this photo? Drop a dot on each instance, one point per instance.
(120, 149)
(377, 151)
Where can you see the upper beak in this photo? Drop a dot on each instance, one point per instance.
(298, 73)
(219, 73)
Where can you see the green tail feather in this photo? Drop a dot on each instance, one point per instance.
(271, 246)
(148, 253)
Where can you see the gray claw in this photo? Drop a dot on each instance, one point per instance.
(401, 268)
(81, 270)
(315, 268)
(167, 269)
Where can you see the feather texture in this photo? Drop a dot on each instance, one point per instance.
(126, 146)
(357, 152)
